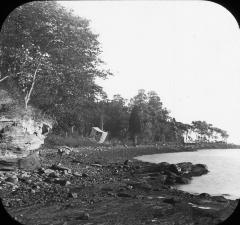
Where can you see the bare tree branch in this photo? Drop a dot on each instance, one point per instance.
(28, 95)
(4, 78)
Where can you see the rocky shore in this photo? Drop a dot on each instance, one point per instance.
(107, 186)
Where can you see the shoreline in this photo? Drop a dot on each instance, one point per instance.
(107, 186)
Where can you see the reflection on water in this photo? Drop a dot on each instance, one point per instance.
(223, 165)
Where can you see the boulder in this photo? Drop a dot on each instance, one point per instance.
(185, 166)
(22, 132)
(174, 168)
(30, 162)
(182, 180)
(198, 170)
(12, 179)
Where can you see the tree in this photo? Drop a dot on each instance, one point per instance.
(117, 117)
(52, 57)
(134, 124)
(153, 115)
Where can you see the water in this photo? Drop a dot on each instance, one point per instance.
(223, 165)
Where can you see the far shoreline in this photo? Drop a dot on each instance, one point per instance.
(121, 153)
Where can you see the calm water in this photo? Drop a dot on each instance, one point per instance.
(223, 165)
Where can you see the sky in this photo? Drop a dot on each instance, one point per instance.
(186, 51)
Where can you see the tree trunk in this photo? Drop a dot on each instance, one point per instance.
(101, 122)
(72, 129)
(135, 140)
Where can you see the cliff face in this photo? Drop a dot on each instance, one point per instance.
(20, 131)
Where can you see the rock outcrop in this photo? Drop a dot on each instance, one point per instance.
(21, 133)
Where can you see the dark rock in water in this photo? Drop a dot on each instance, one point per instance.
(174, 168)
(182, 180)
(204, 195)
(152, 168)
(198, 170)
(185, 167)
(171, 174)
(219, 198)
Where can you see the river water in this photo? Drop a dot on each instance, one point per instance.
(223, 165)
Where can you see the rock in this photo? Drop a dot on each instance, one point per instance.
(170, 180)
(12, 179)
(53, 175)
(172, 200)
(127, 162)
(24, 175)
(84, 175)
(41, 170)
(20, 133)
(30, 162)
(204, 195)
(96, 164)
(219, 198)
(77, 174)
(198, 170)
(124, 194)
(58, 167)
(171, 174)
(185, 167)
(182, 180)
(174, 168)
(82, 216)
(73, 195)
(140, 185)
(152, 168)
(62, 182)
(48, 171)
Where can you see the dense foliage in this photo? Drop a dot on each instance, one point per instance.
(50, 59)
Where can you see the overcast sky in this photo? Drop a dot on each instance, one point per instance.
(186, 51)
